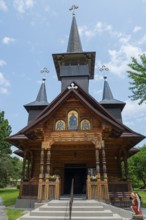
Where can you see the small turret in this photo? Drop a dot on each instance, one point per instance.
(34, 108)
(113, 106)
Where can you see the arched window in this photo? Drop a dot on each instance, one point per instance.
(60, 125)
(85, 124)
(73, 120)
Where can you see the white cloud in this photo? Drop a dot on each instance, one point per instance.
(3, 84)
(134, 115)
(3, 90)
(22, 5)
(3, 6)
(137, 28)
(2, 62)
(85, 31)
(120, 58)
(8, 40)
(142, 40)
(99, 27)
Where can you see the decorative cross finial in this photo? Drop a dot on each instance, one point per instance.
(72, 86)
(44, 71)
(73, 8)
(102, 69)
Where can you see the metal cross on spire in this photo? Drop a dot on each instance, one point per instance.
(73, 8)
(44, 71)
(103, 69)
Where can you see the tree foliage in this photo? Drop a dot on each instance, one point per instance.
(10, 167)
(5, 131)
(138, 78)
(137, 167)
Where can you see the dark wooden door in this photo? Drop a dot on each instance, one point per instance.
(79, 174)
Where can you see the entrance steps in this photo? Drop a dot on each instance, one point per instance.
(81, 210)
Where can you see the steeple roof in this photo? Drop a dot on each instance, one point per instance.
(41, 99)
(74, 43)
(108, 96)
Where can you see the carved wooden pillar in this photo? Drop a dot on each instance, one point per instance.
(41, 175)
(125, 164)
(42, 164)
(97, 147)
(105, 192)
(97, 162)
(48, 163)
(46, 145)
(23, 168)
(103, 160)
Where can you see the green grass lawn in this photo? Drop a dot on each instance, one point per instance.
(9, 196)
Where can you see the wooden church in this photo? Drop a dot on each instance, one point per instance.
(75, 136)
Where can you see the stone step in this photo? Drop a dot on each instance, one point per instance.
(74, 208)
(28, 217)
(74, 213)
(76, 203)
(81, 210)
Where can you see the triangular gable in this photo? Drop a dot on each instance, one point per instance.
(85, 98)
(88, 101)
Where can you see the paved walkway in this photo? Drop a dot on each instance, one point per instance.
(3, 215)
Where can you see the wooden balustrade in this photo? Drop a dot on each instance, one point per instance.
(41, 190)
(97, 189)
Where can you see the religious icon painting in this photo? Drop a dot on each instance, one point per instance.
(60, 125)
(73, 120)
(85, 124)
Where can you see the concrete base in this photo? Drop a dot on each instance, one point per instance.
(25, 203)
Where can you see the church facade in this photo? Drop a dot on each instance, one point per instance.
(75, 137)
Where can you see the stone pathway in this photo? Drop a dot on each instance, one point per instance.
(3, 215)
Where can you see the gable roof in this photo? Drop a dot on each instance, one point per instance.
(85, 99)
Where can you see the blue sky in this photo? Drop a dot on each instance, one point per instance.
(32, 30)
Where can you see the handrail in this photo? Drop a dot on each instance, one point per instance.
(71, 199)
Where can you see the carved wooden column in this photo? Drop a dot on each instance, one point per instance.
(105, 192)
(41, 175)
(23, 168)
(97, 144)
(103, 160)
(48, 163)
(97, 159)
(126, 164)
(46, 145)
(23, 175)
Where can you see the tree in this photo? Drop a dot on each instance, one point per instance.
(17, 168)
(5, 151)
(138, 77)
(5, 131)
(137, 167)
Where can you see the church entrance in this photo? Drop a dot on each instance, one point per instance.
(78, 172)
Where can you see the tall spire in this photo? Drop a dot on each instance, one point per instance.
(74, 43)
(107, 93)
(42, 95)
(74, 66)
(113, 106)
